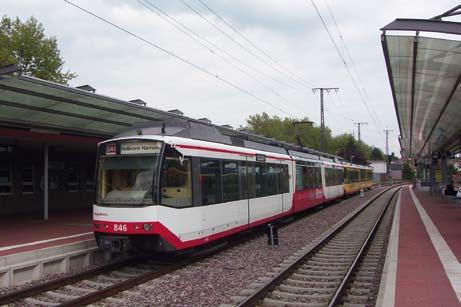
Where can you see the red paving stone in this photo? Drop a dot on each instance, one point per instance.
(446, 215)
(421, 279)
(16, 230)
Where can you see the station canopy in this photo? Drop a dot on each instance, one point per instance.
(423, 59)
(31, 102)
(40, 105)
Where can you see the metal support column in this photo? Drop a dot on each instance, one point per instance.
(432, 176)
(45, 183)
(444, 170)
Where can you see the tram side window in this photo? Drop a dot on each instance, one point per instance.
(356, 176)
(340, 176)
(210, 179)
(284, 179)
(272, 178)
(306, 178)
(299, 178)
(248, 179)
(362, 175)
(230, 181)
(176, 182)
(319, 177)
(261, 183)
(334, 176)
(327, 177)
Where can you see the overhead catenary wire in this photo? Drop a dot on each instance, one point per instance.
(351, 60)
(184, 60)
(247, 50)
(295, 76)
(345, 64)
(202, 41)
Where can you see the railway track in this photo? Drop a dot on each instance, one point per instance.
(104, 282)
(93, 285)
(339, 269)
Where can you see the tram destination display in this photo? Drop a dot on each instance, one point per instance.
(134, 148)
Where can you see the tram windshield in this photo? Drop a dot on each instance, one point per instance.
(127, 179)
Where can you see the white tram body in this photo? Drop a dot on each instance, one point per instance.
(332, 180)
(168, 193)
(181, 225)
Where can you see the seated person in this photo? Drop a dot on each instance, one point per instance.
(450, 189)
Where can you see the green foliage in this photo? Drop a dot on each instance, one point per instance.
(285, 129)
(376, 154)
(25, 43)
(392, 157)
(407, 172)
(452, 170)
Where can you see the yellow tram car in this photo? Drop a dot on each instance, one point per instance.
(357, 177)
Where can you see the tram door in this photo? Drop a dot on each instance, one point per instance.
(247, 183)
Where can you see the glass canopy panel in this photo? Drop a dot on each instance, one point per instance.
(448, 130)
(437, 65)
(70, 107)
(32, 98)
(400, 50)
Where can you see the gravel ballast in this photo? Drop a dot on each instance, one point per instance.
(213, 281)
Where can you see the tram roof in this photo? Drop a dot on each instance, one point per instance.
(423, 59)
(34, 103)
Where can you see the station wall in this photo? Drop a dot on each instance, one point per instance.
(71, 178)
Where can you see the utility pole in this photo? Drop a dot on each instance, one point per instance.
(387, 150)
(358, 128)
(322, 113)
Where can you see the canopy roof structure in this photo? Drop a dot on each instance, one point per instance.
(423, 59)
(37, 104)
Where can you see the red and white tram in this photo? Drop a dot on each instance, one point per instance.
(160, 192)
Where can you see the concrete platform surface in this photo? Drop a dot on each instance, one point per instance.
(422, 266)
(26, 233)
(31, 248)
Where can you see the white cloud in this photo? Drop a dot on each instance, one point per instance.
(121, 66)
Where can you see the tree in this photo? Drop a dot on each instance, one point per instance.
(351, 151)
(392, 157)
(376, 154)
(407, 172)
(25, 43)
(285, 129)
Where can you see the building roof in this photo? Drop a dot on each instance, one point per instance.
(423, 59)
(35, 103)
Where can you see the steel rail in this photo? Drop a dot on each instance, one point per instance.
(346, 279)
(270, 285)
(124, 285)
(129, 283)
(60, 282)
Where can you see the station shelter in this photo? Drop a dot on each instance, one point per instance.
(423, 260)
(48, 141)
(423, 58)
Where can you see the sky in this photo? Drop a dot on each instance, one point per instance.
(278, 53)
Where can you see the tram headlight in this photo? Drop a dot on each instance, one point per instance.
(147, 227)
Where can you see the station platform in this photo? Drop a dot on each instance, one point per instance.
(26, 233)
(31, 248)
(422, 263)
